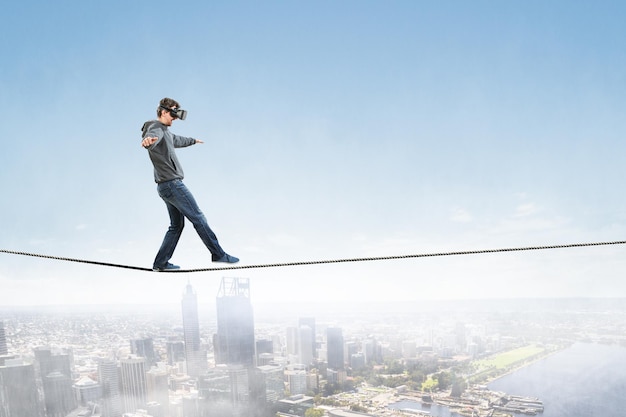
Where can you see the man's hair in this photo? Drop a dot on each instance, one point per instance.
(168, 103)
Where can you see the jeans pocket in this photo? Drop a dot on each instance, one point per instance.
(165, 190)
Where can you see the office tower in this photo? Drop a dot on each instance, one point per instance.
(216, 392)
(133, 378)
(175, 351)
(215, 385)
(48, 362)
(58, 393)
(87, 391)
(313, 381)
(264, 346)
(195, 355)
(158, 390)
(274, 382)
(108, 376)
(154, 409)
(277, 344)
(310, 321)
(305, 352)
(56, 378)
(264, 352)
(239, 383)
(357, 361)
(372, 351)
(298, 404)
(265, 359)
(3, 340)
(292, 340)
(297, 381)
(349, 349)
(334, 347)
(18, 390)
(334, 377)
(144, 348)
(235, 323)
(235, 347)
(247, 390)
(460, 332)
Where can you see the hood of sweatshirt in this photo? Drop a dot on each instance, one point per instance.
(147, 125)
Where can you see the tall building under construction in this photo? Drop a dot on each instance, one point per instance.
(234, 342)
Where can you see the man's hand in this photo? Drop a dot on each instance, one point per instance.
(199, 141)
(147, 141)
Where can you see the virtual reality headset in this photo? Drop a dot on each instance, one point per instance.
(177, 113)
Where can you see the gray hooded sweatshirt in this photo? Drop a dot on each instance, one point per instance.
(162, 153)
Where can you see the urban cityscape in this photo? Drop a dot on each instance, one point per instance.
(286, 360)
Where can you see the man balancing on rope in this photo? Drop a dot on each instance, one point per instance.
(168, 174)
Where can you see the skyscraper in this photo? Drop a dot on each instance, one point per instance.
(49, 362)
(292, 340)
(158, 392)
(55, 371)
(264, 351)
(59, 394)
(144, 347)
(310, 321)
(264, 346)
(305, 352)
(175, 351)
(334, 346)
(18, 390)
(108, 376)
(134, 388)
(3, 340)
(297, 381)
(373, 351)
(195, 355)
(274, 382)
(235, 347)
(235, 323)
(87, 391)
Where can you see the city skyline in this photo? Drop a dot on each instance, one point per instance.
(346, 344)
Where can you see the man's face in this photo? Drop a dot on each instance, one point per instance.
(166, 116)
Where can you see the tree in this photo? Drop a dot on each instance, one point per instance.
(314, 412)
(429, 385)
(358, 408)
(395, 381)
(417, 376)
(458, 387)
(444, 380)
(394, 368)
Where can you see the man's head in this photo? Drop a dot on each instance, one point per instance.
(169, 110)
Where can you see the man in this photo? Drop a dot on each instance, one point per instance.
(168, 174)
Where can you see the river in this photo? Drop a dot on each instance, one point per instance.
(584, 380)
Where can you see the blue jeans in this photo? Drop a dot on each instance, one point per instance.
(180, 204)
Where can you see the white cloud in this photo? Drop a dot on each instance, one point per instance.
(460, 215)
(525, 210)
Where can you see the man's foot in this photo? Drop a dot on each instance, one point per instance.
(227, 259)
(168, 267)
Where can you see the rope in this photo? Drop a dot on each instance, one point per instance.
(83, 261)
(328, 261)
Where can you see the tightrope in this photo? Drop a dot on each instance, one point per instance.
(327, 261)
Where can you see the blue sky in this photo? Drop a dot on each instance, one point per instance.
(332, 130)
